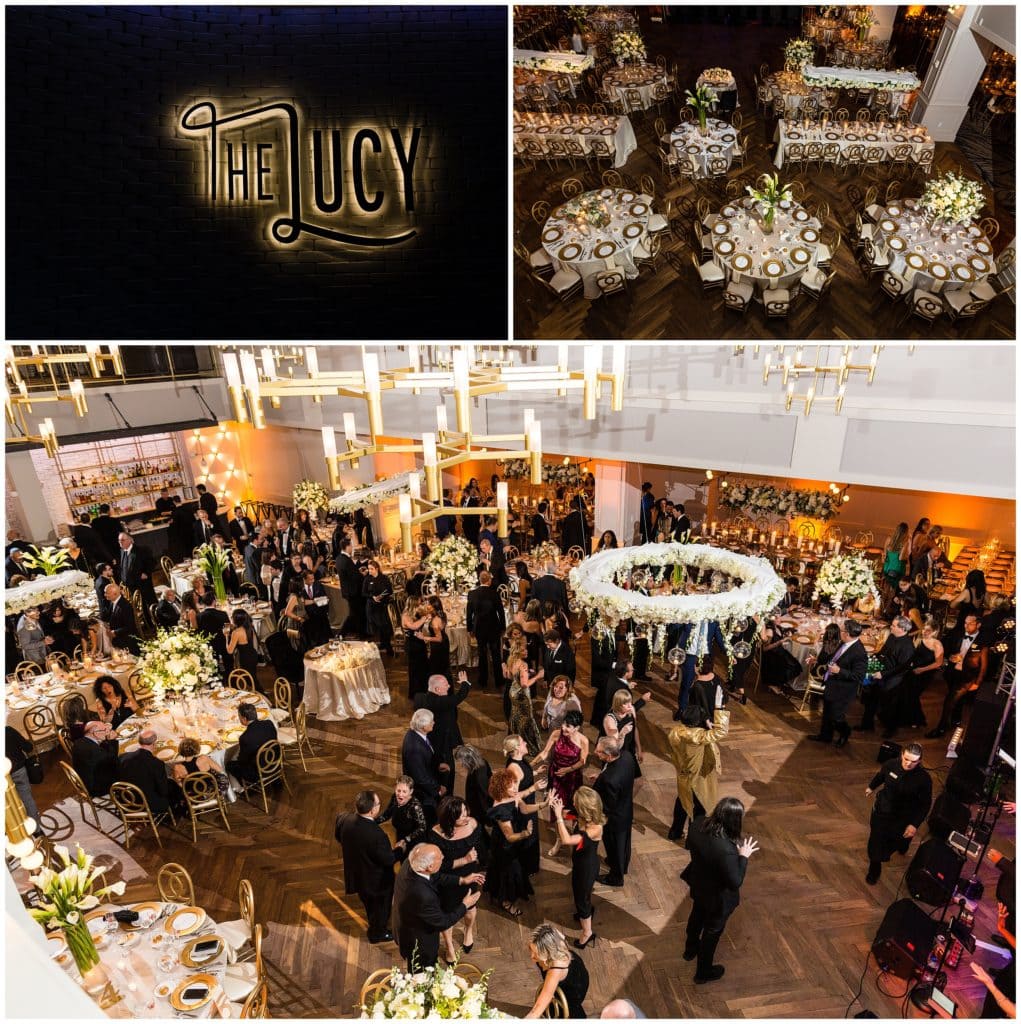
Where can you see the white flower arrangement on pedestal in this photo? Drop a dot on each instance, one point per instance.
(766, 499)
(370, 494)
(45, 589)
(595, 589)
(433, 993)
(311, 495)
(177, 663)
(628, 46)
(845, 578)
(454, 560)
(952, 198)
(798, 52)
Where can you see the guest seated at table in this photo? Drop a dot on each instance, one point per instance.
(189, 612)
(257, 732)
(242, 644)
(203, 594)
(63, 627)
(76, 717)
(103, 579)
(144, 769)
(607, 540)
(790, 598)
(94, 757)
(779, 667)
(168, 609)
(408, 817)
(294, 617)
(192, 762)
(112, 705)
(32, 637)
(413, 588)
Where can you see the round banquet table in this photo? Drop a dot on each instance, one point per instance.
(766, 261)
(806, 630)
(334, 692)
(643, 77)
(720, 140)
(791, 87)
(610, 19)
(462, 653)
(339, 607)
(718, 83)
(589, 250)
(132, 955)
(945, 259)
(824, 30)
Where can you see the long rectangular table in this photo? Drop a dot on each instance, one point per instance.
(887, 138)
(580, 128)
(556, 62)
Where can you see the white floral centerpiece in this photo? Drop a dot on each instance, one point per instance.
(769, 197)
(628, 46)
(546, 552)
(45, 589)
(597, 592)
(863, 19)
(68, 895)
(953, 199)
(433, 993)
(48, 560)
(454, 560)
(845, 578)
(311, 495)
(370, 494)
(766, 499)
(863, 78)
(177, 662)
(798, 52)
(552, 472)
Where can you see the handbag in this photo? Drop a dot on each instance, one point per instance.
(34, 769)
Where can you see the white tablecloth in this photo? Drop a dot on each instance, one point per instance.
(720, 140)
(601, 248)
(643, 77)
(559, 63)
(926, 260)
(718, 84)
(886, 137)
(792, 238)
(900, 84)
(334, 695)
(614, 130)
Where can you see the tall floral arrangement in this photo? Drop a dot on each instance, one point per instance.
(44, 589)
(454, 560)
(700, 101)
(311, 495)
(48, 560)
(798, 52)
(579, 15)
(863, 19)
(177, 662)
(214, 561)
(434, 993)
(845, 578)
(67, 895)
(952, 198)
(628, 46)
(552, 472)
(780, 501)
(769, 198)
(546, 552)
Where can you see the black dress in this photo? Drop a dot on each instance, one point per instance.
(247, 657)
(574, 986)
(913, 686)
(439, 656)
(418, 663)
(533, 651)
(409, 823)
(376, 615)
(506, 879)
(584, 870)
(630, 742)
(530, 851)
(455, 849)
(120, 715)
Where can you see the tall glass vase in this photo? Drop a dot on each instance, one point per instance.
(702, 120)
(768, 216)
(219, 587)
(82, 946)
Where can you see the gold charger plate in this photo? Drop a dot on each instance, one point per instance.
(915, 260)
(897, 243)
(721, 227)
(804, 640)
(979, 264)
(605, 249)
(605, 193)
(729, 211)
(567, 130)
(628, 197)
(741, 261)
(167, 752)
(632, 230)
(585, 130)
(232, 735)
(196, 979)
(638, 209)
(800, 256)
(794, 135)
(871, 137)
(543, 129)
(984, 247)
(187, 957)
(939, 270)
(198, 918)
(852, 137)
(801, 214)
(552, 234)
(772, 267)
(571, 251)
(810, 235)
(149, 905)
(724, 246)
(832, 136)
(608, 131)
(888, 225)
(962, 272)
(714, 148)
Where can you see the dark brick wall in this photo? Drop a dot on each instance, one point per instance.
(110, 233)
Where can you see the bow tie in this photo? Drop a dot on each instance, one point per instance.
(970, 636)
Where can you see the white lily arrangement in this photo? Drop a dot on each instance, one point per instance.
(370, 494)
(454, 560)
(45, 589)
(310, 494)
(433, 993)
(951, 198)
(628, 46)
(596, 591)
(177, 662)
(780, 501)
(68, 893)
(863, 18)
(845, 578)
(48, 560)
(214, 561)
(798, 52)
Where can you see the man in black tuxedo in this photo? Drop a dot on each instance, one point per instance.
(486, 621)
(540, 524)
(418, 915)
(882, 693)
(168, 609)
(14, 566)
(620, 677)
(182, 527)
(136, 564)
(241, 528)
(211, 621)
(470, 524)
(123, 628)
(252, 552)
(94, 757)
(89, 541)
(549, 587)
(616, 785)
(350, 588)
(420, 761)
(445, 523)
(682, 526)
(844, 674)
(144, 769)
(164, 503)
(493, 561)
(967, 655)
(574, 528)
(790, 597)
(719, 859)
(108, 528)
(557, 658)
(207, 502)
(104, 577)
(202, 532)
(284, 539)
(442, 700)
(368, 863)
(257, 733)
(317, 625)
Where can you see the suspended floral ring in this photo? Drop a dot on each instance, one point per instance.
(370, 494)
(597, 592)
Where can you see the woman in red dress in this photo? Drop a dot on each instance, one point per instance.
(566, 751)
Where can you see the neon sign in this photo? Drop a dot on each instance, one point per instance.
(380, 165)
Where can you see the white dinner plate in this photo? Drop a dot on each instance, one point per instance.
(742, 261)
(888, 225)
(571, 251)
(724, 246)
(721, 227)
(772, 268)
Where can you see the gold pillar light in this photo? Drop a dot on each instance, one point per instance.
(535, 451)
(250, 376)
(404, 506)
(501, 509)
(232, 373)
(619, 369)
(330, 451)
(432, 473)
(461, 395)
(373, 395)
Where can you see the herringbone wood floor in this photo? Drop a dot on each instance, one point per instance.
(665, 305)
(794, 948)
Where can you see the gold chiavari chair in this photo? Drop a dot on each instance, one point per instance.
(134, 809)
(84, 798)
(203, 797)
(269, 764)
(175, 884)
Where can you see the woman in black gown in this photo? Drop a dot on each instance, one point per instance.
(477, 773)
(585, 855)
(241, 643)
(461, 841)
(506, 880)
(516, 750)
(414, 619)
(925, 663)
(621, 724)
(378, 592)
(560, 968)
(779, 666)
(437, 641)
(407, 814)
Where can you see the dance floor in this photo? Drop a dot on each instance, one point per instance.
(796, 946)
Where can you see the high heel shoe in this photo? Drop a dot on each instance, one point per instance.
(467, 947)
(591, 940)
